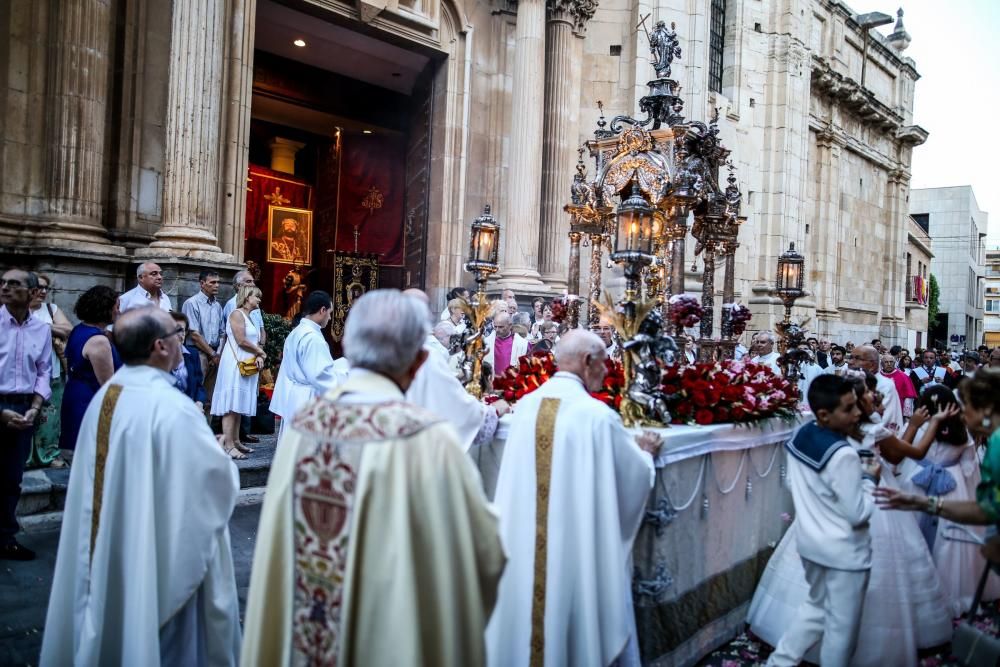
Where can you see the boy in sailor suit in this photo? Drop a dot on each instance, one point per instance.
(833, 504)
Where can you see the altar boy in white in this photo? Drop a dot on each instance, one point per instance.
(144, 572)
(307, 367)
(571, 492)
(833, 504)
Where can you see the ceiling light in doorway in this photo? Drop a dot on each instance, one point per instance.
(366, 131)
(299, 42)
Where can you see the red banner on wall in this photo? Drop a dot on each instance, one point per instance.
(371, 196)
(266, 187)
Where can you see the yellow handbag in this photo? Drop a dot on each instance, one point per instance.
(247, 368)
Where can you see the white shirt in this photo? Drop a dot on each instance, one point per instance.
(138, 297)
(832, 510)
(436, 388)
(771, 360)
(307, 370)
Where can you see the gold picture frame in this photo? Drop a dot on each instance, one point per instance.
(289, 235)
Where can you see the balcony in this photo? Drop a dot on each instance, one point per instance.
(917, 292)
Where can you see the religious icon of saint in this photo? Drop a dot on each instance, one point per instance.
(289, 235)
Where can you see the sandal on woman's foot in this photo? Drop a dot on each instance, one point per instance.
(234, 453)
(59, 462)
(243, 448)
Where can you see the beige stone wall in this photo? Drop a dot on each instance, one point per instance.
(820, 162)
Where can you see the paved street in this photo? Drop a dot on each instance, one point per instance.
(24, 587)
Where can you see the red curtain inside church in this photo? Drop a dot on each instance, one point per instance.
(371, 195)
(264, 188)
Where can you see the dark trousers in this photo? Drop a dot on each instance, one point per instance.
(15, 446)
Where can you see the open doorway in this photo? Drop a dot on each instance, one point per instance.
(339, 156)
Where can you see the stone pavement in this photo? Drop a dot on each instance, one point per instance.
(24, 587)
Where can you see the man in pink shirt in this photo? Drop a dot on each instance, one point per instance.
(25, 367)
(505, 346)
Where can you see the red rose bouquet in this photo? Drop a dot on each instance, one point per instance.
(533, 370)
(727, 391)
(530, 373)
(685, 310)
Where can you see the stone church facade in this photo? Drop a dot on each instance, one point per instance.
(125, 134)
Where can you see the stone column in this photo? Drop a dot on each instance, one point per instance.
(283, 154)
(194, 120)
(520, 258)
(563, 74)
(76, 98)
(236, 143)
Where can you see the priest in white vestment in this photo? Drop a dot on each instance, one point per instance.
(765, 354)
(144, 572)
(307, 367)
(866, 358)
(376, 544)
(572, 473)
(436, 388)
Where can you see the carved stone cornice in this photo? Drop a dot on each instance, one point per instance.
(851, 95)
(912, 135)
(575, 12)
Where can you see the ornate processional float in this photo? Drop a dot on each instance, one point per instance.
(656, 180)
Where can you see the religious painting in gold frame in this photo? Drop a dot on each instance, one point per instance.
(289, 235)
(354, 276)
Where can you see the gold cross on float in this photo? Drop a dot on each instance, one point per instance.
(276, 198)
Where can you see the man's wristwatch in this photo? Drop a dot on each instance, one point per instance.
(933, 505)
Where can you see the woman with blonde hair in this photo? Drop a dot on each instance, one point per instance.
(236, 394)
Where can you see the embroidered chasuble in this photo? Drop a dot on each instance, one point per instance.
(144, 571)
(571, 492)
(376, 544)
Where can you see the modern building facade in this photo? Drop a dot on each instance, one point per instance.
(162, 129)
(991, 302)
(918, 264)
(957, 228)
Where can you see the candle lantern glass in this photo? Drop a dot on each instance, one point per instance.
(484, 244)
(791, 273)
(636, 226)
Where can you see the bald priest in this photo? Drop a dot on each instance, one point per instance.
(571, 494)
(376, 543)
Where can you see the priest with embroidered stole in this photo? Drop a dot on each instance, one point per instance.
(307, 367)
(144, 572)
(376, 544)
(571, 494)
(436, 388)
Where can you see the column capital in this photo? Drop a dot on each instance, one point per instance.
(575, 12)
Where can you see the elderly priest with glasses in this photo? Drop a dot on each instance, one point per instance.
(144, 572)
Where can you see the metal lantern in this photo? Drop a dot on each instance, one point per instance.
(484, 244)
(791, 273)
(635, 230)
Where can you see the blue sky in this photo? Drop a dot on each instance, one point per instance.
(957, 52)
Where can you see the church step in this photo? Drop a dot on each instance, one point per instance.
(43, 491)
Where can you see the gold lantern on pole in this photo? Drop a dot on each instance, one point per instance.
(483, 261)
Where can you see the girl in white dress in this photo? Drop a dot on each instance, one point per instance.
(236, 395)
(950, 471)
(905, 608)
